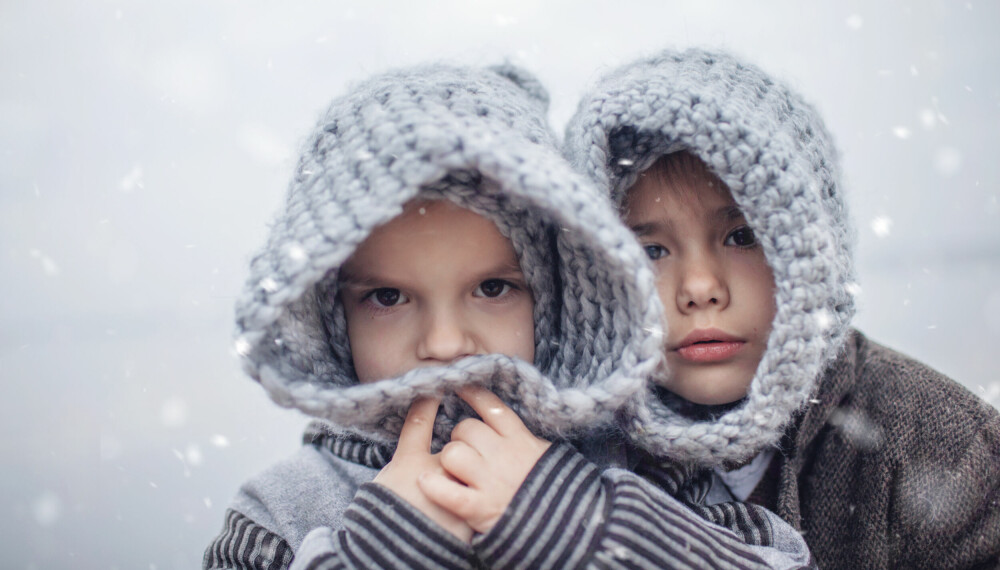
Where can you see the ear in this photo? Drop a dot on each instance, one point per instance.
(523, 79)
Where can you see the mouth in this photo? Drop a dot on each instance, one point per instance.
(708, 345)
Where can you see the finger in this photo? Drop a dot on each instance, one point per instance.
(475, 433)
(453, 497)
(464, 464)
(418, 429)
(492, 409)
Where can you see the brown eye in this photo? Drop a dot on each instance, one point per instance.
(492, 288)
(386, 297)
(742, 236)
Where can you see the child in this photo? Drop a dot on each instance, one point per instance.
(431, 224)
(729, 180)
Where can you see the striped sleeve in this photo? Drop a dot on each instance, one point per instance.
(245, 545)
(567, 514)
(382, 531)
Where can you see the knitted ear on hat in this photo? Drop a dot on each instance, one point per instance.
(773, 152)
(525, 80)
(478, 138)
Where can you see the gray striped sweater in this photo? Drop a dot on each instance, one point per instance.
(569, 513)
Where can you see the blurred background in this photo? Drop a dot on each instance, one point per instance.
(145, 146)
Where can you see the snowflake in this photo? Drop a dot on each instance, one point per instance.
(882, 225)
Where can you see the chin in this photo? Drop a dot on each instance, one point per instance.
(709, 391)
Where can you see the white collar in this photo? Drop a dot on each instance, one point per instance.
(743, 480)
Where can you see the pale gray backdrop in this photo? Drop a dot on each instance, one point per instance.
(144, 147)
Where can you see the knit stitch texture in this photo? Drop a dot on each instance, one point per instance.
(772, 150)
(479, 138)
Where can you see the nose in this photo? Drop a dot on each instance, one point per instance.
(702, 285)
(447, 336)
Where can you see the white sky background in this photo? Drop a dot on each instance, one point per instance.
(144, 148)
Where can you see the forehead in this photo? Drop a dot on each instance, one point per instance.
(431, 232)
(690, 192)
(434, 219)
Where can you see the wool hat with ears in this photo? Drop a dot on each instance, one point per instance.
(477, 137)
(772, 150)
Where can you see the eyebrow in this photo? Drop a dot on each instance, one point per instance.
(361, 281)
(505, 268)
(726, 214)
(648, 228)
(347, 279)
(729, 213)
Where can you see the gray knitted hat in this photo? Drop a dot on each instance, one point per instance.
(479, 138)
(772, 150)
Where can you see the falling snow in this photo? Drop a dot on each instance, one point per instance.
(85, 231)
(934, 495)
(47, 509)
(991, 393)
(857, 428)
(132, 180)
(853, 289)
(193, 455)
(947, 161)
(881, 226)
(241, 346)
(174, 413)
(48, 265)
(296, 252)
(268, 284)
(824, 319)
(928, 118)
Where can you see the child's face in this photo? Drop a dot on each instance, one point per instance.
(435, 284)
(716, 287)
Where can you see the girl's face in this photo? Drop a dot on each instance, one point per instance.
(435, 284)
(716, 287)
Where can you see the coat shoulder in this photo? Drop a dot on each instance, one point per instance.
(916, 406)
(310, 488)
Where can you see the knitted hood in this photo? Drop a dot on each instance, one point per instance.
(479, 138)
(772, 150)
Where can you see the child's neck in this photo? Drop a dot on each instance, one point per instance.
(698, 412)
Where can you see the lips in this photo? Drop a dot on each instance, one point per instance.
(708, 345)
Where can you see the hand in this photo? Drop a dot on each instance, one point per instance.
(412, 458)
(485, 462)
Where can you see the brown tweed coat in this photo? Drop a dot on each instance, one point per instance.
(893, 465)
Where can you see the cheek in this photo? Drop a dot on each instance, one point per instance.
(516, 335)
(373, 352)
(758, 287)
(665, 291)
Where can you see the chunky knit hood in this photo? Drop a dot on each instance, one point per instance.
(479, 138)
(772, 150)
